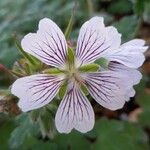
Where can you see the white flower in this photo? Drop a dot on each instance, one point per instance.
(110, 87)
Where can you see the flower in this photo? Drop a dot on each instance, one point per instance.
(111, 87)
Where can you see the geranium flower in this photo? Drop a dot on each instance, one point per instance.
(111, 87)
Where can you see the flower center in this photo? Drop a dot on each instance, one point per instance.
(73, 73)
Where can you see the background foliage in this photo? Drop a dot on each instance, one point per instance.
(128, 128)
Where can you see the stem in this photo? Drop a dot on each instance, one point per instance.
(71, 22)
(90, 7)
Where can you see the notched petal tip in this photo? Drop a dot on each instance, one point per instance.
(48, 44)
(74, 112)
(95, 40)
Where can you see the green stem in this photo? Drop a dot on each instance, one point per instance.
(90, 7)
(71, 22)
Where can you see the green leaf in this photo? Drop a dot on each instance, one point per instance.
(6, 127)
(32, 143)
(120, 7)
(144, 101)
(127, 26)
(119, 135)
(139, 6)
(146, 14)
(72, 141)
(25, 129)
(89, 68)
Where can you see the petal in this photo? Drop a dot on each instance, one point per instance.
(48, 44)
(94, 38)
(131, 76)
(137, 44)
(75, 111)
(106, 88)
(36, 91)
(129, 54)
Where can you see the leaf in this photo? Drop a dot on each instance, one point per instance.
(33, 143)
(120, 7)
(139, 6)
(146, 14)
(127, 26)
(72, 141)
(116, 135)
(25, 129)
(144, 101)
(6, 127)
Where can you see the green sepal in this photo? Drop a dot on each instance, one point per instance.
(89, 68)
(34, 115)
(84, 89)
(70, 56)
(45, 121)
(53, 71)
(62, 90)
(102, 62)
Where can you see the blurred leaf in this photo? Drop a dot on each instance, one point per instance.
(72, 141)
(116, 135)
(21, 17)
(120, 7)
(32, 143)
(144, 101)
(146, 15)
(8, 55)
(6, 127)
(127, 26)
(139, 6)
(25, 129)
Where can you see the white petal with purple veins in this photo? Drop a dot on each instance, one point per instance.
(133, 75)
(129, 54)
(75, 111)
(137, 44)
(94, 39)
(48, 44)
(130, 77)
(106, 88)
(36, 91)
